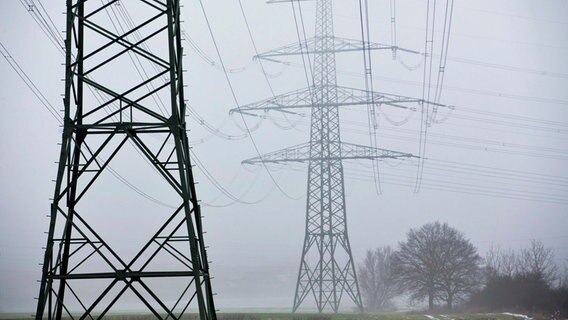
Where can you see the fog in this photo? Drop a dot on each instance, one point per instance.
(505, 57)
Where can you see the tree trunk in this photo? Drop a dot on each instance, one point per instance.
(450, 301)
(430, 300)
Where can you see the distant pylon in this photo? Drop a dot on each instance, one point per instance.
(101, 116)
(327, 270)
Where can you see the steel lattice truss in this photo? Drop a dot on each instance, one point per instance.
(303, 98)
(349, 151)
(337, 45)
(327, 270)
(101, 118)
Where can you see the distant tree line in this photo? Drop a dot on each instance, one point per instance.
(528, 279)
(438, 264)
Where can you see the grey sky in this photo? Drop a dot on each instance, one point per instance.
(519, 48)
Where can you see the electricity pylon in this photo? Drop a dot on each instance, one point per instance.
(327, 270)
(101, 117)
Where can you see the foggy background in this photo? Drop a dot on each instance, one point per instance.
(505, 57)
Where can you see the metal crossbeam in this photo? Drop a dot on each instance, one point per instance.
(349, 151)
(336, 45)
(301, 99)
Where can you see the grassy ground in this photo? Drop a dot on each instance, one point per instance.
(312, 316)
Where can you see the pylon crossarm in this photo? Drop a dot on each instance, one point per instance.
(133, 274)
(350, 96)
(292, 100)
(302, 99)
(337, 45)
(349, 151)
(121, 127)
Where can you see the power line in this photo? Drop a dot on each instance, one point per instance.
(229, 184)
(426, 88)
(514, 16)
(128, 20)
(454, 187)
(369, 88)
(255, 48)
(488, 142)
(39, 95)
(303, 44)
(552, 126)
(506, 123)
(48, 28)
(514, 116)
(483, 148)
(29, 83)
(485, 176)
(237, 102)
(494, 145)
(217, 130)
(393, 26)
(444, 54)
(498, 171)
(529, 44)
(263, 70)
(125, 15)
(194, 114)
(510, 68)
(545, 73)
(457, 186)
(452, 88)
(217, 185)
(205, 57)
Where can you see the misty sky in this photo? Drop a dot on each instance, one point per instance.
(496, 167)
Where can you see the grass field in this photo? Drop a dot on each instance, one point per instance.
(324, 316)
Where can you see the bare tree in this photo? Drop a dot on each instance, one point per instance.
(509, 262)
(501, 263)
(491, 260)
(460, 273)
(376, 282)
(527, 279)
(436, 262)
(538, 260)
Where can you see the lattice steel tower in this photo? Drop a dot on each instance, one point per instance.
(104, 112)
(327, 270)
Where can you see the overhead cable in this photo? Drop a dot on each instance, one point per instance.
(237, 102)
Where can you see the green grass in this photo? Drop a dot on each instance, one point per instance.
(313, 316)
